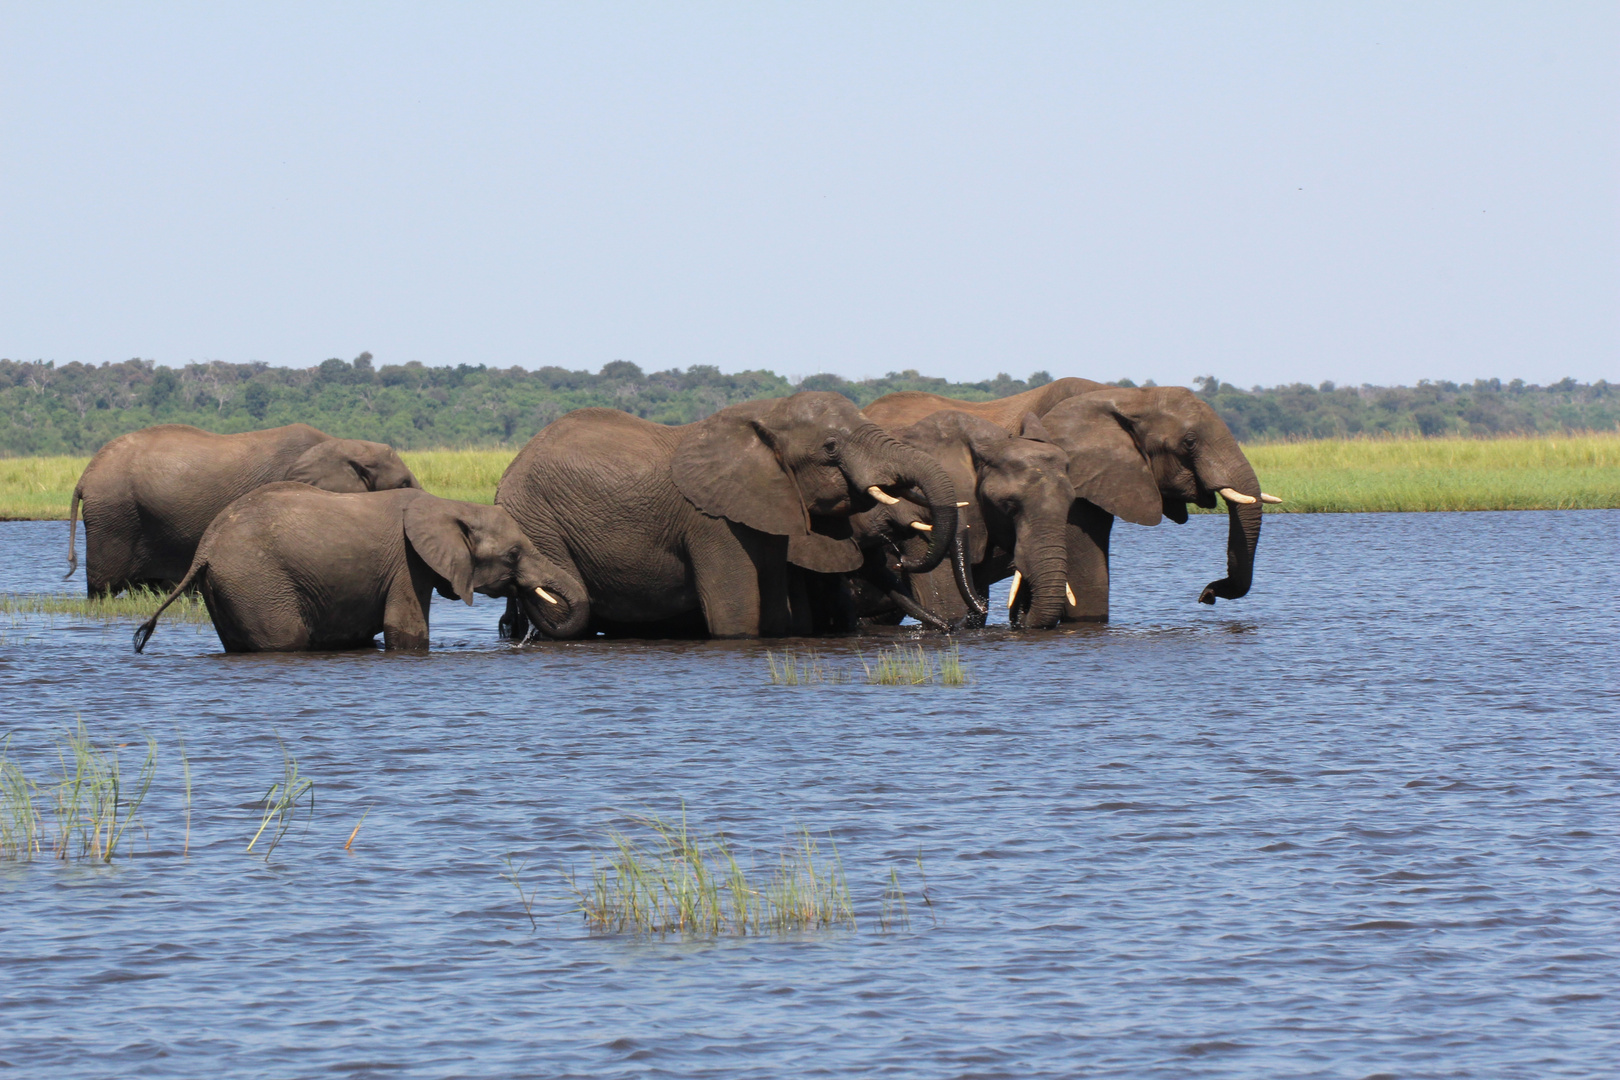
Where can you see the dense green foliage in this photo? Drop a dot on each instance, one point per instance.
(73, 409)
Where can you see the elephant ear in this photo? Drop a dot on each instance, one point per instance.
(1032, 428)
(1106, 467)
(332, 466)
(727, 468)
(443, 541)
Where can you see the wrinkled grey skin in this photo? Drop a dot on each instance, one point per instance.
(694, 529)
(1140, 454)
(906, 407)
(292, 568)
(148, 495)
(1018, 495)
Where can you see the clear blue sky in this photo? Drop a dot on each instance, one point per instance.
(1361, 192)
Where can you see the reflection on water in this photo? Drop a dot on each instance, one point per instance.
(1361, 822)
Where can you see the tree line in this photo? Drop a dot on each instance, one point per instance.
(73, 409)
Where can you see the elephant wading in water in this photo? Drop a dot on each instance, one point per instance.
(694, 529)
(1143, 454)
(148, 496)
(1016, 498)
(291, 568)
(1139, 454)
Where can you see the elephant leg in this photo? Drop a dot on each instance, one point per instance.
(1088, 531)
(723, 567)
(405, 614)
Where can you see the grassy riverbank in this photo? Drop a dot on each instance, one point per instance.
(1559, 472)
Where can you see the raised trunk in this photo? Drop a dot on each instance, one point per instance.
(906, 467)
(1243, 525)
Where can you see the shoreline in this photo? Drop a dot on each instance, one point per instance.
(1541, 472)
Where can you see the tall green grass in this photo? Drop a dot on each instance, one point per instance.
(1552, 472)
(135, 604)
(793, 669)
(1560, 472)
(85, 811)
(912, 665)
(281, 802)
(673, 880)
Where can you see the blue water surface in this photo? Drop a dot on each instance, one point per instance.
(1363, 822)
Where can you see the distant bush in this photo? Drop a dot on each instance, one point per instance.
(73, 409)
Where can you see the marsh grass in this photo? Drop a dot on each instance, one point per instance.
(468, 475)
(1520, 472)
(281, 801)
(673, 880)
(134, 604)
(911, 665)
(1557, 472)
(525, 896)
(91, 805)
(791, 669)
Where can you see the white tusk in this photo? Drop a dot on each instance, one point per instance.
(1018, 579)
(1233, 495)
(881, 496)
(960, 505)
(1269, 498)
(1070, 594)
(547, 597)
(922, 526)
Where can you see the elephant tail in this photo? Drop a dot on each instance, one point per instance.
(73, 530)
(143, 632)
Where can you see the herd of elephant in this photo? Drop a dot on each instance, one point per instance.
(792, 516)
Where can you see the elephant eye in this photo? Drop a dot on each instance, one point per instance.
(831, 445)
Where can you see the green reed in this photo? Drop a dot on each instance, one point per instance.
(911, 665)
(790, 669)
(673, 880)
(138, 603)
(91, 804)
(281, 801)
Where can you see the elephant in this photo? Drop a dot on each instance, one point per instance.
(1015, 504)
(905, 407)
(148, 495)
(693, 529)
(1140, 454)
(292, 568)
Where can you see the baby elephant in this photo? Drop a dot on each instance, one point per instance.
(289, 567)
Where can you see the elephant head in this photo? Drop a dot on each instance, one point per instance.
(1017, 497)
(480, 549)
(352, 465)
(799, 466)
(1142, 453)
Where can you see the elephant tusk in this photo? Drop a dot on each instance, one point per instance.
(922, 526)
(1070, 594)
(960, 505)
(547, 597)
(1018, 579)
(881, 496)
(1233, 495)
(1269, 498)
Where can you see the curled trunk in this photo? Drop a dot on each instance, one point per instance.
(909, 468)
(1243, 527)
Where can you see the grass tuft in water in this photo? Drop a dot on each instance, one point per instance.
(790, 669)
(19, 821)
(525, 896)
(138, 604)
(92, 809)
(911, 665)
(676, 881)
(281, 801)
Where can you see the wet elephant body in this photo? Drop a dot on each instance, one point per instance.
(292, 568)
(666, 525)
(148, 496)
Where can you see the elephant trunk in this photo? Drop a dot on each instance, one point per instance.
(907, 467)
(1243, 524)
(555, 602)
(1044, 563)
(977, 607)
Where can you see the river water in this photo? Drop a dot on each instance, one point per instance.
(1361, 823)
